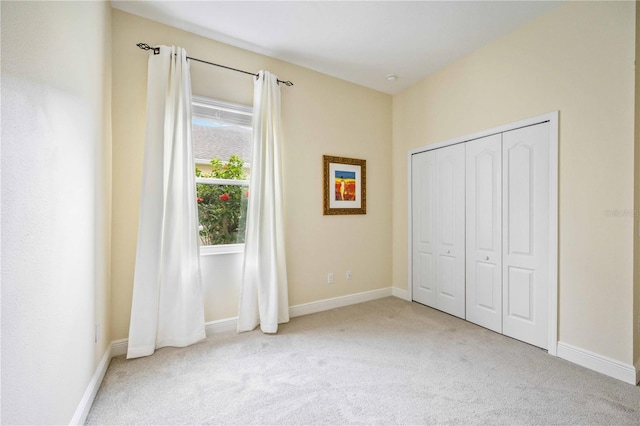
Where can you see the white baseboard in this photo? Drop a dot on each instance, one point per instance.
(119, 347)
(230, 324)
(82, 411)
(221, 326)
(400, 293)
(338, 302)
(600, 363)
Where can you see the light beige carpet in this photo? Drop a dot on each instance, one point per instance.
(382, 362)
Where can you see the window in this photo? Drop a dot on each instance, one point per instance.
(221, 147)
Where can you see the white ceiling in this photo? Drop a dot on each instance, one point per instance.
(358, 41)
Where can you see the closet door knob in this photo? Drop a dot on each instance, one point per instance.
(486, 258)
(448, 251)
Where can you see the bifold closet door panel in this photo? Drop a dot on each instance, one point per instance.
(450, 229)
(484, 232)
(423, 188)
(525, 235)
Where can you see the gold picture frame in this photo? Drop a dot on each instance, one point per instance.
(345, 185)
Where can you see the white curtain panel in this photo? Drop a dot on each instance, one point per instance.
(168, 304)
(263, 296)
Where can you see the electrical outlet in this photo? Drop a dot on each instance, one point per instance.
(349, 274)
(330, 278)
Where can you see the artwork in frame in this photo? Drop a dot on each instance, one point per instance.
(345, 185)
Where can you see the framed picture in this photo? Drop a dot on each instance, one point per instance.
(345, 185)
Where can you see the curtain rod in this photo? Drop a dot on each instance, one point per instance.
(156, 51)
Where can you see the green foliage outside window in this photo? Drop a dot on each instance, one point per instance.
(222, 208)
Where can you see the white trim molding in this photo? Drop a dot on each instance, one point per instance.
(400, 293)
(119, 347)
(230, 324)
(600, 363)
(338, 302)
(221, 326)
(80, 416)
(222, 249)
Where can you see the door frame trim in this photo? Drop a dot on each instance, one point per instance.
(552, 118)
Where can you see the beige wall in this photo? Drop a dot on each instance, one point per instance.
(322, 115)
(578, 59)
(56, 186)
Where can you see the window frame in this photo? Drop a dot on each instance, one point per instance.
(227, 112)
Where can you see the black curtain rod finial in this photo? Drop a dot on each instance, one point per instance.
(156, 51)
(145, 46)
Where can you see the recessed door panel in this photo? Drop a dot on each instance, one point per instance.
(425, 272)
(447, 277)
(526, 234)
(425, 217)
(520, 294)
(486, 275)
(483, 234)
(486, 168)
(520, 203)
(446, 199)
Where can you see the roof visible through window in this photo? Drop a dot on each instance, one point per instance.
(220, 130)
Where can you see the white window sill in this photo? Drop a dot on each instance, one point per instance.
(221, 249)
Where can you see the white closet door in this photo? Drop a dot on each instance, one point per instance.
(423, 175)
(484, 232)
(450, 226)
(525, 154)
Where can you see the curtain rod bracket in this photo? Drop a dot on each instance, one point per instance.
(156, 51)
